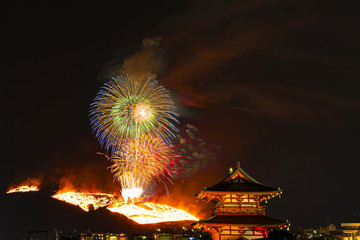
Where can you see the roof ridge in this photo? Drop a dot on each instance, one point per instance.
(239, 178)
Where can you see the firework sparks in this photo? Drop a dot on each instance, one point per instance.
(134, 118)
(140, 162)
(127, 109)
(24, 188)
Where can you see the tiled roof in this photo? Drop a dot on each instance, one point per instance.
(240, 181)
(240, 187)
(248, 220)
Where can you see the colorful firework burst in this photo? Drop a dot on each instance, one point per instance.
(139, 162)
(126, 109)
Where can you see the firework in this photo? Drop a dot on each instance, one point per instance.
(139, 162)
(134, 118)
(126, 109)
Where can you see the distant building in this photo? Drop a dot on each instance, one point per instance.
(351, 231)
(103, 236)
(38, 235)
(238, 211)
(175, 233)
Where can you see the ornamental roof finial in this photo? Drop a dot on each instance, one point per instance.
(238, 164)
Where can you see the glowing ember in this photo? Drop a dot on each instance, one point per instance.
(152, 213)
(85, 200)
(23, 189)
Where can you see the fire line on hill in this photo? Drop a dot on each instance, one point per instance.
(142, 213)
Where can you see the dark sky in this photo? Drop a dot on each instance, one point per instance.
(274, 83)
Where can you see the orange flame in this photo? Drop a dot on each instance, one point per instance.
(149, 212)
(29, 185)
(24, 188)
(143, 213)
(86, 200)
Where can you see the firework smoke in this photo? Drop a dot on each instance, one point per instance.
(149, 61)
(192, 153)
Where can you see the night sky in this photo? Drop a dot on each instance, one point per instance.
(274, 84)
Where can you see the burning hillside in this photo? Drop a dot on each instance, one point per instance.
(149, 212)
(29, 185)
(138, 210)
(24, 188)
(87, 201)
(143, 213)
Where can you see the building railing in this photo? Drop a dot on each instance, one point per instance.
(242, 210)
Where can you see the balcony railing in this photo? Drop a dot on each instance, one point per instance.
(241, 211)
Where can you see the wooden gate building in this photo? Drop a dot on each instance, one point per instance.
(239, 208)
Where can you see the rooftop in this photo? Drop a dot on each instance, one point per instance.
(240, 181)
(248, 220)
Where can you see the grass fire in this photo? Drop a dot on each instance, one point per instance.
(23, 188)
(142, 213)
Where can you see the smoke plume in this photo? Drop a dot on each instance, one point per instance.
(150, 61)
